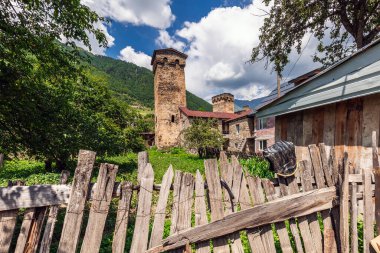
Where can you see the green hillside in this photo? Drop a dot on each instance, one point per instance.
(134, 84)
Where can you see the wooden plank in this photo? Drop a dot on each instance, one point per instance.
(142, 161)
(354, 129)
(8, 221)
(74, 212)
(327, 170)
(33, 196)
(216, 201)
(160, 213)
(376, 172)
(321, 170)
(254, 238)
(340, 129)
(354, 219)
(226, 173)
(30, 231)
(280, 227)
(317, 125)
(235, 169)
(176, 196)
(292, 206)
(99, 208)
(368, 211)
(344, 209)
(277, 129)
(293, 189)
(51, 220)
(309, 225)
(121, 224)
(200, 212)
(141, 232)
(329, 127)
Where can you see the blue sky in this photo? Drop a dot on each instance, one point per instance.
(217, 35)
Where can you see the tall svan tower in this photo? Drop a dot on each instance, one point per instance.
(169, 94)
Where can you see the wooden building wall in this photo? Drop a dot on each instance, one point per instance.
(347, 125)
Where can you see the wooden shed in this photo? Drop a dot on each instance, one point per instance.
(340, 107)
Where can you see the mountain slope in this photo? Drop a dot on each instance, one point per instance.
(134, 84)
(251, 103)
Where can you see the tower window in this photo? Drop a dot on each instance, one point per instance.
(172, 119)
(176, 61)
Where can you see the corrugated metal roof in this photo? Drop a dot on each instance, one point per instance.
(354, 76)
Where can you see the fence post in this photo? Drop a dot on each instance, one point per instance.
(74, 212)
(142, 161)
(344, 209)
(376, 172)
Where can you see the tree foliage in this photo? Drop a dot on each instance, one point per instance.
(341, 26)
(51, 104)
(203, 135)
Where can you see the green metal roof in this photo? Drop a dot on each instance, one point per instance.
(355, 76)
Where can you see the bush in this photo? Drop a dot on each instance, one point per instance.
(257, 166)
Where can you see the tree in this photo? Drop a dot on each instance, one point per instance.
(203, 135)
(341, 26)
(51, 104)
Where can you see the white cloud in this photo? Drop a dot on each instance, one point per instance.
(219, 46)
(128, 54)
(155, 13)
(95, 47)
(164, 40)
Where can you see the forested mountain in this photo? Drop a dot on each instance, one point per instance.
(134, 84)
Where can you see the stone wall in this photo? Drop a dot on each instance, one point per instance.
(223, 103)
(169, 95)
(235, 138)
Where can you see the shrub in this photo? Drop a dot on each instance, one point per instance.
(257, 166)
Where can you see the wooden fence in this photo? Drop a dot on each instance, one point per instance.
(308, 212)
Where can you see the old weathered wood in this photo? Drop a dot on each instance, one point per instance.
(327, 170)
(280, 227)
(141, 232)
(293, 189)
(354, 219)
(344, 209)
(185, 204)
(254, 238)
(121, 224)
(226, 173)
(291, 206)
(200, 212)
(99, 208)
(16, 197)
(7, 226)
(51, 220)
(160, 213)
(176, 196)
(74, 212)
(235, 170)
(320, 166)
(216, 201)
(368, 211)
(142, 161)
(376, 172)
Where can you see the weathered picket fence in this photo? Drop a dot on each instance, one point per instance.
(291, 208)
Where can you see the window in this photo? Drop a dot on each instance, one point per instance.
(173, 118)
(262, 124)
(263, 144)
(238, 128)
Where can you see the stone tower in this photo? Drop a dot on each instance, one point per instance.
(223, 103)
(169, 95)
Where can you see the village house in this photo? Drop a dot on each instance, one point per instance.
(339, 106)
(242, 130)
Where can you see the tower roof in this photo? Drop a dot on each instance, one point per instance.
(167, 50)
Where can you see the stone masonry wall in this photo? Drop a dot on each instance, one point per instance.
(169, 94)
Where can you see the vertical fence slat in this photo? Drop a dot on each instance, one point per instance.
(368, 211)
(376, 172)
(142, 161)
(74, 212)
(122, 216)
(216, 201)
(319, 161)
(226, 173)
(200, 212)
(292, 189)
(254, 238)
(24, 230)
(51, 220)
(160, 213)
(282, 232)
(7, 226)
(344, 209)
(99, 208)
(141, 232)
(354, 219)
(176, 197)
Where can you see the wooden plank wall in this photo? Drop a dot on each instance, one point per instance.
(347, 125)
